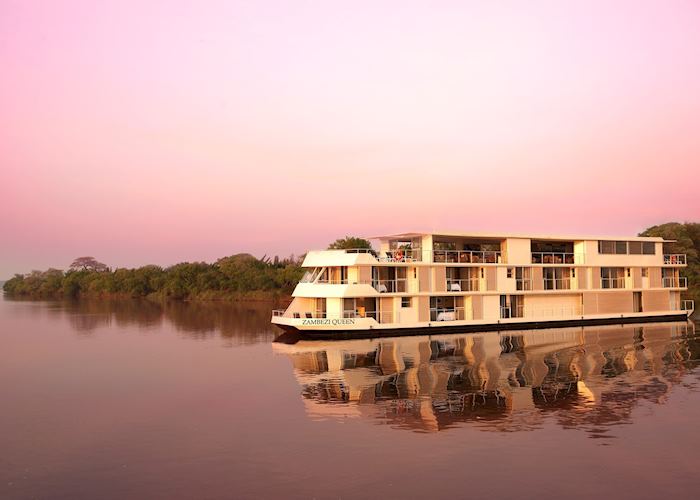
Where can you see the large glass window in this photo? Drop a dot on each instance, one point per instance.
(612, 277)
(523, 278)
(321, 308)
(360, 307)
(635, 247)
(627, 247)
(556, 278)
(446, 308)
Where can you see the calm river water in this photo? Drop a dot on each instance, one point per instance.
(138, 400)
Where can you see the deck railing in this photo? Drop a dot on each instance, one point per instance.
(557, 284)
(462, 285)
(344, 281)
(673, 259)
(447, 314)
(688, 305)
(675, 282)
(467, 256)
(391, 286)
(553, 258)
(612, 282)
(378, 316)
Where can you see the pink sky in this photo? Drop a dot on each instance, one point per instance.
(163, 131)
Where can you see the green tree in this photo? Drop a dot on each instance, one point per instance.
(687, 241)
(350, 243)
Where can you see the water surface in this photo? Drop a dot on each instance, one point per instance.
(132, 399)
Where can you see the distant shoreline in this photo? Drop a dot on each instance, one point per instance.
(253, 296)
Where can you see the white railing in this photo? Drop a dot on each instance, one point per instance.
(462, 285)
(557, 283)
(401, 255)
(395, 255)
(390, 286)
(447, 314)
(675, 282)
(688, 305)
(380, 317)
(612, 282)
(555, 258)
(278, 312)
(371, 251)
(673, 259)
(467, 256)
(344, 281)
(308, 314)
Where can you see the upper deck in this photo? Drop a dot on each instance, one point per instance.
(469, 249)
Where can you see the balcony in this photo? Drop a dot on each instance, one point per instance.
(675, 282)
(674, 259)
(299, 315)
(339, 281)
(390, 286)
(447, 314)
(462, 285)
(379, 317)
(559, 284)
(401, 255)
(467, 256)
(612, 282)
(553, 258)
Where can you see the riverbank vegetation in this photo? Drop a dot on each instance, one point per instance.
(238, 277)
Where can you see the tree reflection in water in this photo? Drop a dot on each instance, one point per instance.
(580, 378)
(237, 322)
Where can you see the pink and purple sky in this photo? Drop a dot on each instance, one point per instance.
(163, 131)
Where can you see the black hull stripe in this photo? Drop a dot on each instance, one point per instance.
(439, 330)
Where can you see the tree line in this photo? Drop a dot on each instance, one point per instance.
(230, 277)
(233, 277)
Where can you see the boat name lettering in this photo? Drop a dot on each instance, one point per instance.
(328, 321)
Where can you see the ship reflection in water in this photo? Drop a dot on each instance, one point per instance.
(587, 378)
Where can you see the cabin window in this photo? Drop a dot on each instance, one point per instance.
(645, 272)
(573, 272)
(509, 272)
(321, 307)
(627, 247)
(405, 301)
(612, 277)
(606, 247)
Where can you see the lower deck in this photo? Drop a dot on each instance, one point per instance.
(327, 328)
